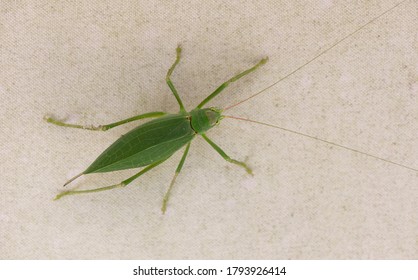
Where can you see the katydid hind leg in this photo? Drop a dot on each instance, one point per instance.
(226, 157)
(179, 167)
(105, 126)
(120, 185)
(170, 83)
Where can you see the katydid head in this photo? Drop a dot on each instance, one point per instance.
(204, 119)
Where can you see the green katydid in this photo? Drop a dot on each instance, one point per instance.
(151, 143)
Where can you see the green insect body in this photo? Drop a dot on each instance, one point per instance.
(153, 142)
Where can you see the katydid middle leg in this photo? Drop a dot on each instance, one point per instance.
(170, 83)
(179, 167)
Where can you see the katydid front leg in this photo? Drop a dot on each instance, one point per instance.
(226, 157)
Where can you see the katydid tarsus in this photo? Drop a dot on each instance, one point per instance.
(153, 142)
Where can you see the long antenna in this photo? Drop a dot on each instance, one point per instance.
(324, 141)
(316, 57)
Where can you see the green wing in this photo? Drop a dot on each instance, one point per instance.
(153, 141)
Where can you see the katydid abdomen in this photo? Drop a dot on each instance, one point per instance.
(152, 141)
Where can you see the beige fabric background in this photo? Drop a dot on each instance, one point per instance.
(95, 62)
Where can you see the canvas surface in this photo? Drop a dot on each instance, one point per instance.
(96, 62)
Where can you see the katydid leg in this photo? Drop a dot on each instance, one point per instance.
(179, 167)
(170, 83)
(106, 126)
(120, 185)
(225, 156)
(233, 79)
